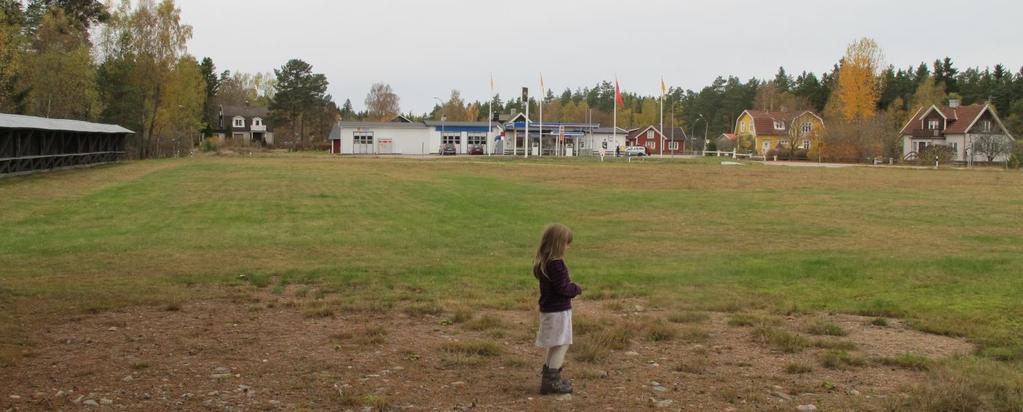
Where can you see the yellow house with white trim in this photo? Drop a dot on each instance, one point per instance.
(779, 130)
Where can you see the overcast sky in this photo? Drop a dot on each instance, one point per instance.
(425, 48)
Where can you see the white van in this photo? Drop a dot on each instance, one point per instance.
(635, 151)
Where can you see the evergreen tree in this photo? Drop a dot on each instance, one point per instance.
(782, 81)
(299, 92)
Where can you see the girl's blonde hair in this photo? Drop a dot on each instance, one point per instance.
(556, 238)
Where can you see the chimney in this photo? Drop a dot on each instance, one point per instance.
(954, 103)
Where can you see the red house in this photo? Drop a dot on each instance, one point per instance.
(673, 141)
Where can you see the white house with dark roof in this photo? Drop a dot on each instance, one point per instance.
(248, 124)
(954, 126)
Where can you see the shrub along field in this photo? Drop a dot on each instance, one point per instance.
(940, 250)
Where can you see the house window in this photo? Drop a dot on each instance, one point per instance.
(806, 145)
(365, 138)
(807, 128)
(455, 139)
(650, 135)
(921, 146)
(257, 122)
(673, 146)
(955, 147)
(239, 122)
(933, 124)
(985, 126)
(651, 145)
(779, 125)
(767, 147)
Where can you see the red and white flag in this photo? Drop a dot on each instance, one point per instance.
(618, 94)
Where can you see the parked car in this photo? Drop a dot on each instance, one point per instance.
(448, 150)
(635, 151)
(477, 150)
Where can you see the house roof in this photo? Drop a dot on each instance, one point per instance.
(634, 133)
(382, 125)
(763, 121)
(438, 123)
(244, 111)
(608, 130)
(730, 136)
(959, 119)
(16, 121)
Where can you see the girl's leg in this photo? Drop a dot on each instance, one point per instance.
(556, 356)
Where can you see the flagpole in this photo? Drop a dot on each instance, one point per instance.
(490, 118)
(525, 145)
(660, 139)
(614, 128)
(542, 95)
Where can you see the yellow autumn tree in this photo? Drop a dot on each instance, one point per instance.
(858, 89)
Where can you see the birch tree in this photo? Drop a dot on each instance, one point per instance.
(150, 39)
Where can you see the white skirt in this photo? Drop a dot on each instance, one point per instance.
(555, 329)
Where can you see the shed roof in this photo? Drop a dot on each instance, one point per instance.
(17, 121)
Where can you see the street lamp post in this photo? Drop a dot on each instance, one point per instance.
(706, 127)
(673, 149)
(706, 138)
(443, 119)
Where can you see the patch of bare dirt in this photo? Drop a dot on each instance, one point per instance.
(276, 353)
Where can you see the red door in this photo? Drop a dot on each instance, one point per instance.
(336, 146)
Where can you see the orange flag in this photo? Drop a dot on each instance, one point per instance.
(618, 94)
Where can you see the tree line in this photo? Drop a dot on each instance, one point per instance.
(137, 72)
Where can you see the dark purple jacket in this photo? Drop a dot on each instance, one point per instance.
(556, 289)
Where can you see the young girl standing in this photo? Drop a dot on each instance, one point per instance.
(556, 293)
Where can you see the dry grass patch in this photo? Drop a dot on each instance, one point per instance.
(318, 312)
(472, 347)
(369, 335)
(614, 338)
(779, 339)
(688, 317)
(460, 316)
(880, 322)
(796, 368)
(826, 328)
(967, 384)
(750, 320)
(909, 361)
(659, 331)
(468, 353)
(693, 335)
(423, 309)
(695, 366)
(589, 352)
(586, 325)
(833, 344)
(485, 322)
(841, 360)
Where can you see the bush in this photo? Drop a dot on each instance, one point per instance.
(786, 153)
(943, 154)
(211, 144)
(1016, 160)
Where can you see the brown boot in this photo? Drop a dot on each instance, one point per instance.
(552, 383)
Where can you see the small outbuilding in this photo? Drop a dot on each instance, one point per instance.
(29, 144)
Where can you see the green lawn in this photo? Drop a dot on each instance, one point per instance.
(943, 249)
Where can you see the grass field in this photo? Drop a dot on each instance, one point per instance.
(940, 249)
